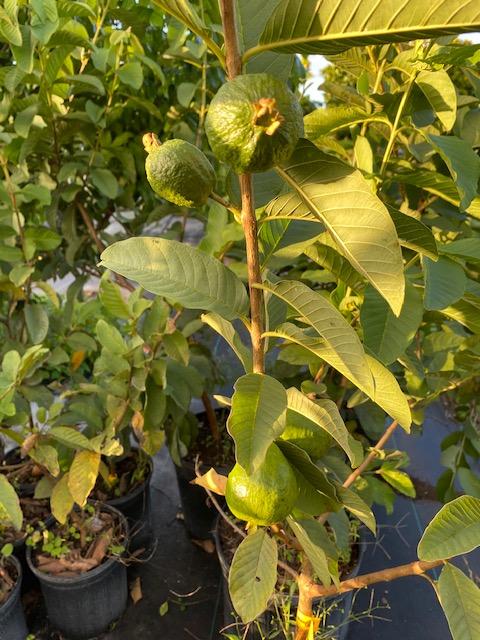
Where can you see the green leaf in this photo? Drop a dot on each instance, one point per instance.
(9, 28)
(399, 480)
(37, 322)
(328, 257)
(131, 73)
(179, 272)
(312, 536)
(253, 575)
(46, 456)
(467, 248)
(343, 201)
(257, 417)
(24, 120)
(10, 503)
(460, 600)
(105, 182)
(445, 282)
(454, 530)
(325, 121)
(386, 335)
(413, 234)
(187, 15)
(466, 311)
(307, 26)
(438, 184)
(20, 274)
(387, 393)
(463, 164)
(61, 501)
(83, 475)
(69, 437)
(176, 346)
(111, 298)
(85, 82)
(357, 507)
(228, 333)
(346, 353)
(325, 415)
(110, 338)
(441, 94)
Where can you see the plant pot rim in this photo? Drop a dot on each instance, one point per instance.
(12, 596)
(87, 575)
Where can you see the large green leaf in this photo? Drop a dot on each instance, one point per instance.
(252, 16)
(313, 538)
(10, 503)
(324, 121)
(343, 201)
(466, 248)
(441, 94)
(257, 417)
(346, 351)
(179, 272)
(454, 530)
(386, 392)
(460, 600)
(253, 575)
(331, 26)
(325, 415)
(384, 334)
(463, 164)
(445, 282)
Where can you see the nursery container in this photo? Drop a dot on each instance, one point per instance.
(136, 507)
(338, 617)
(12, 618)
(85, 606)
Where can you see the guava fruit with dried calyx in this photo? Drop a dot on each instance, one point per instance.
(307, 435)
(178, 171)
(254, 123)
(266, 496)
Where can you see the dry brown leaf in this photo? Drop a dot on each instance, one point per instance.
(212, 481)
(136, 590)
(206, 545)
(28, 444)
(76, 360)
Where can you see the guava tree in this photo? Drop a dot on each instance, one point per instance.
(253, 125)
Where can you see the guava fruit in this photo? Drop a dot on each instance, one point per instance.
(266, 496)
(178, 171)
(306, 435)
(254, 123)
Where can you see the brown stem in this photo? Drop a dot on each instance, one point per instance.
(416, 568)
(372, 455)
(249, 223)
(211, 416)
(123, 282)
(248, 218)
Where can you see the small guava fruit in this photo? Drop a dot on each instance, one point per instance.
(266, 496)
(178, 171)
(254, 123)
(306, 435)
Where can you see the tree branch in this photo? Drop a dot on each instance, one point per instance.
(248, 218)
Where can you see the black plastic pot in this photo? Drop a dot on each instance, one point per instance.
(337, 617)
(136, 507)
(85, 606)
(25, 489)
(12, 618)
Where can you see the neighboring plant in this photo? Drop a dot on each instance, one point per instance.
(7, 582)
(362, 236)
